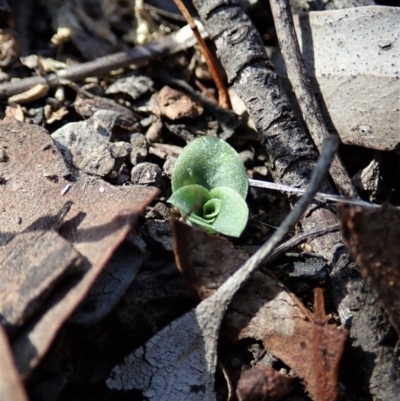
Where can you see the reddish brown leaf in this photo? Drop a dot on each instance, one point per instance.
(372, 238)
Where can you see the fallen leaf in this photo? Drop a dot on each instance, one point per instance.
(372, 238)
(35, 175)
(263, 309)
(11, 387)
(178, 363)
(356, 73)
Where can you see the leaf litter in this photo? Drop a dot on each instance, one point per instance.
(61, 229)
(99, 218)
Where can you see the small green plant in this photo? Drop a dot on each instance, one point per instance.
(209, 186)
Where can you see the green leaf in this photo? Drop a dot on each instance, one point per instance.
(210, 162)
(234, 213)
(209, 185)
(229, 211)
(190, 201)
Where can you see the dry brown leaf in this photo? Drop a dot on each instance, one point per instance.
(11, 387)
(35, 177)
(179, 362)
(264, 310)
(372, 238)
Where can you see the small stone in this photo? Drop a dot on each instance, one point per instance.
(120, 149)
(154, 132)
(147, 121)
(174, 104)
(159, 212)
(261, 170)
(135, 86)
(147, 174)
(263, 383)
(139, 149)
(369, 179)
(169, 165)
(98, 161)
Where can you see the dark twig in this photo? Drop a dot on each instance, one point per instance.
(299, 238)
(167, 45)
(223, 96)
(309, 106)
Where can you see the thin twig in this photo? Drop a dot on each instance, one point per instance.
(299, 238)
(302, 88)
(167, 45)
(289, 189)
(223, 95)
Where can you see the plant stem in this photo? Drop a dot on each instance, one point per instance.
(223, 95)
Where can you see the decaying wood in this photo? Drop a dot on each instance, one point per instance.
(293, 155)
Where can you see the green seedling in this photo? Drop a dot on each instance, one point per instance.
(209, 186)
